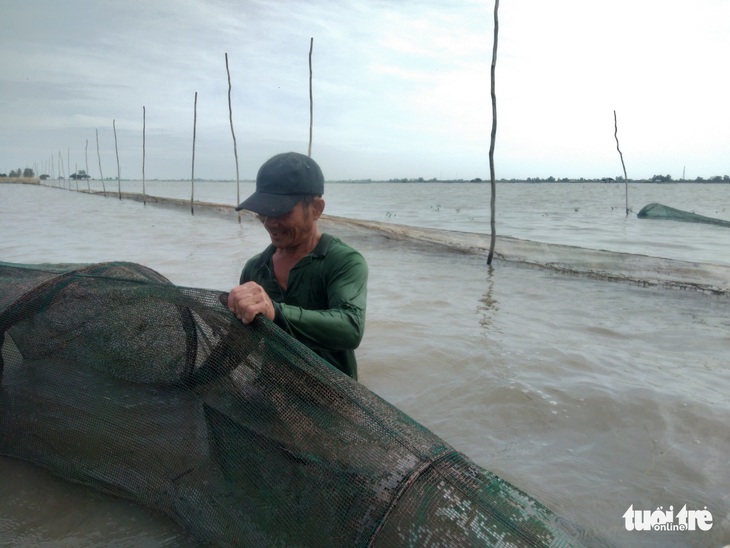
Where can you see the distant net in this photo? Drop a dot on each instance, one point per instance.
(659, 211)
(117, 379)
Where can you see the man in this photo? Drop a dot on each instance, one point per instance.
(311, 284)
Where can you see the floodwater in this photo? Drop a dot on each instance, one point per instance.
(590, 395)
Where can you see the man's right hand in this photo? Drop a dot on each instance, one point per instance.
(248, 300)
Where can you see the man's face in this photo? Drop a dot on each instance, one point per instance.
(295, 228)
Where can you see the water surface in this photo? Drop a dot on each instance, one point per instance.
(590, 395)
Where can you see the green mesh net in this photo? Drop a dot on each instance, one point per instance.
(115, 378)
(659, 211)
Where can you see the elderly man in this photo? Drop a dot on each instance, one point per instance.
(311, 284)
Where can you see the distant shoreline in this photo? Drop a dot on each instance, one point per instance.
(21, 180)
(62, 182)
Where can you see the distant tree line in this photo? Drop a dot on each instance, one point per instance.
(654, 179)
(29, 173)
(416, 180)
(715, 179)
(81, 174)
(551, 179)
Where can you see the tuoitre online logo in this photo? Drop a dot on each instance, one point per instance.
(667, 520)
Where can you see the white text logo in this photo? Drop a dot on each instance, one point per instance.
(666, 520)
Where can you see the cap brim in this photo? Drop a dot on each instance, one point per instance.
(270, 205)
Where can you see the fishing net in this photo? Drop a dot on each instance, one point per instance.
(117, 379)
(659, 211)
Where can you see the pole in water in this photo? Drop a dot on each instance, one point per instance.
(492, 177)
(233, 134)
(192, 176)
(311, 104)
(626, 179)
(101, 175)
(116, 149)
(144, 121)
(86, 159)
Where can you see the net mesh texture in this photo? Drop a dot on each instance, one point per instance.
(659, 211)
(117, 379)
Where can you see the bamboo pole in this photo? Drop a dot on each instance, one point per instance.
(101, 174)
(493, 137)
(311, 104)
(626, 179)
(233, 134)
(144, 123)
(68, 155)
(116, 149)
(86, 158)
(61, 170)
(192, 175)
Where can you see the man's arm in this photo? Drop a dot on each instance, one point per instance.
(341, 325)
(337, 324)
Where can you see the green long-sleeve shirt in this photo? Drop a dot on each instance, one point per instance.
(324, 303)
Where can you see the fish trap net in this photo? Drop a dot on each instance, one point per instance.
(115, 378)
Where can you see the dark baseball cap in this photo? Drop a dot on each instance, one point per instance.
(282, 182)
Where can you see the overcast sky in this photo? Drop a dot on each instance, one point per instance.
(401, 88)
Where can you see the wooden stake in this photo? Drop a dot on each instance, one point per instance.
(68, 156)
(494, 136)
(144, 121)
(116, 149)
(86, 158)
(101, 175)
(192, 177)
(626, 179)
(61, 170)
(233, 134)
(311, 104)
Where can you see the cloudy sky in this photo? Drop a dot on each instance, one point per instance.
(401, 88)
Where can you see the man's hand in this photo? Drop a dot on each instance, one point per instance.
(248, 300)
